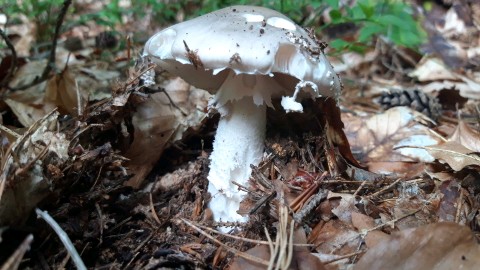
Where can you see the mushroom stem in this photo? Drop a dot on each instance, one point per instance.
(238, 143)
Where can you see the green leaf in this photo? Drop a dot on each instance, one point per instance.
(390, 19)
(339, 44)
(369, 30)
(336, 15)
(356, 13)
(368, 10)
(410, 39)
(358, 47)
(332, 3)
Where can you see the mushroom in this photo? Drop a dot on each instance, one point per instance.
(245, 55)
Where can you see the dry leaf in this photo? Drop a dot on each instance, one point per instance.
(301, 259)
(29, 105)
(454, 154)
(353, 60)
(28, 112)
(437, 77)
(363, 222)
(470, 87)
(154, 125)
(414, 208)
(335, 131)
(158, 122)
(345, 208)
(432, 69)
(101, 74)
(261, 252)
(23, 182)
(447, 210)
(63, 91)
(466, 136)
(334, 237)
(453, 24)
(24, 35)
(407, 169)
(437, 246)
(373, 138)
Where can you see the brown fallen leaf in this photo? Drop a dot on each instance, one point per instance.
(334, 237)
(287, 250)
(454, 154)
(449, 205)
(363, 222)
(63, 91)
(439, 246)
(345, 207)
(26, 33)
(152, 132)
(436, 76)
(466, 136)
(336, 133)
(432, 69)
(379, 137)
(23, 180)
(301, 259)
(261, 252)
(158, 122)
(28, 105)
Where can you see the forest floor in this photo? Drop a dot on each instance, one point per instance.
(389, 177)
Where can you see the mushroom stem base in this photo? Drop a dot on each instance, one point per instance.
(239, 142)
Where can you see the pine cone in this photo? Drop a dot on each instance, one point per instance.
(414, 99)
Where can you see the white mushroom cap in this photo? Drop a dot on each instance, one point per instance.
(246, 40)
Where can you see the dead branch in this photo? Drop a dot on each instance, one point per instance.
(51, 60)
(13, 65)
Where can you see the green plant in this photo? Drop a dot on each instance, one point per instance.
(110, 15)
(391, 19)
(43, 13)
(292, 8)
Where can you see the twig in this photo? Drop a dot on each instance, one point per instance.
(459, 207)
(9, 131)
(64, 262)
(100, 222)
(154, 213)
(16, 258)
(51, 60)
(392, 185)
(162, 90)
(260, 177)
(136, 250)
(363, 233)
(77, 260)
(241, 187)
(230, 249)
(263, 201)
(359, 188)
(13, 65)
(311, 205)
(246, 240)
(286, 250)
(341, 257)
(298, 202)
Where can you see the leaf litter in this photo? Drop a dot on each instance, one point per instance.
(122, 167)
